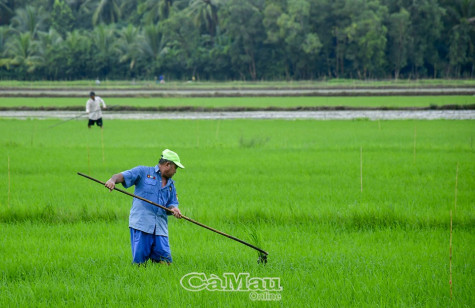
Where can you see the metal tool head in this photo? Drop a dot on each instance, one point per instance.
(262, 259)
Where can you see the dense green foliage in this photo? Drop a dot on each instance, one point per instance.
(236, 39)
(294, 184)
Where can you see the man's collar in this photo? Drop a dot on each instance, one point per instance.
(157, 170)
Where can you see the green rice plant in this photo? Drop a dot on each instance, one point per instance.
(245, 103)
(255, 238)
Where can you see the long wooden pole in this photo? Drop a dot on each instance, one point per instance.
(62, 122)
(415, 138)
(102, 144)
(456, 184)
(450, 256)
(184, 217)
(361, 168)
(8, 181)
(88, 158)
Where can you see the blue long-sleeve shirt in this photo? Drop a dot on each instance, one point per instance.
(148, 184)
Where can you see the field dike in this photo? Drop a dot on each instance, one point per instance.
(181, 91)
(235, 109)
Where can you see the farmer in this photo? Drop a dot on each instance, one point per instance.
(93, 108)
(149, 224)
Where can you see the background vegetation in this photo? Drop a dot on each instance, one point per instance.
(236, 39)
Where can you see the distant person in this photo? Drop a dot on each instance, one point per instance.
(93, 108)
(162, 79)
(148, 223)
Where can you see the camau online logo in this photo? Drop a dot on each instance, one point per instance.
(229, 282)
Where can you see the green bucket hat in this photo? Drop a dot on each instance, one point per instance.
(172, 156)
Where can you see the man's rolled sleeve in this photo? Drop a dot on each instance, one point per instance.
(131, 176)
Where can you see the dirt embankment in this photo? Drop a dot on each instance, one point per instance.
(241, 92)
(231, 109)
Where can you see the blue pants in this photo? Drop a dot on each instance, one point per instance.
(149, 246)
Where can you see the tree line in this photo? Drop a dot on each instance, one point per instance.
(236, 39)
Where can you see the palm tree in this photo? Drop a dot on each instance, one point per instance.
(104, 40)
(205, 14)
(22, 52)
(49, 50)
(4, 32)
(103, 11)
(5, 11)
(153, 46)
(74, 42)
(156, 10)
(153, 42)
(128, 46)
(76, 51)
(107, 11)
(30, 19)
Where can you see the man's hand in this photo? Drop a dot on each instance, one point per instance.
(176, 212)
(116, 178)
(110, 184)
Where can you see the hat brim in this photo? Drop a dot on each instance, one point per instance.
(179, 165)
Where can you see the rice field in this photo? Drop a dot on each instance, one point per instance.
(352, 213)
(248, 102)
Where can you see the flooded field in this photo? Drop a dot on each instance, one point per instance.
(288, 115)
(237, 92)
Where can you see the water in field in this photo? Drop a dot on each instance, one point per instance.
(286, 115)
(240, 92)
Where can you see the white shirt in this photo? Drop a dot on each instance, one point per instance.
(94, 109)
